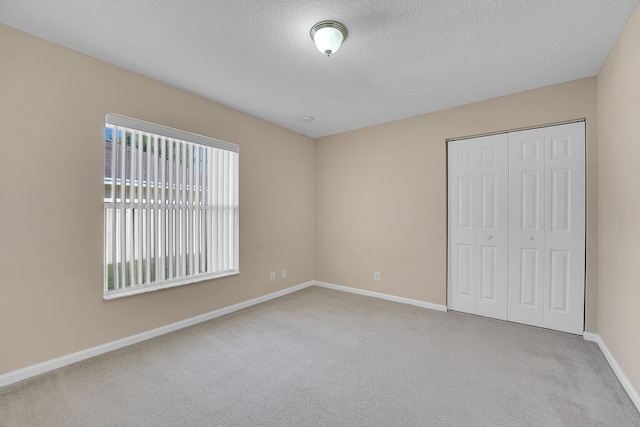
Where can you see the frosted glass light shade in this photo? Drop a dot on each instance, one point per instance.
(328, 36)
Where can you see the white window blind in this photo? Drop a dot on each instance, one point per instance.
(170, 207)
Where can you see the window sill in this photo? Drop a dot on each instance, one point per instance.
(121, 293)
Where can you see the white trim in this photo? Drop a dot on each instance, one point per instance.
(49, 365)
(156, 286)
(393, 298)
(631, 391)
(567, 122)
(131, 123)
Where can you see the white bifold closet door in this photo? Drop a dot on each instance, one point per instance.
(547, 227)
(479, 225)
(527, 265)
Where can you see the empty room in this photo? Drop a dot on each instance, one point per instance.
(271, 213)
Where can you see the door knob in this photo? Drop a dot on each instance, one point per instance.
(530, 238)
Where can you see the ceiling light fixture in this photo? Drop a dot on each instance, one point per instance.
(328, 36)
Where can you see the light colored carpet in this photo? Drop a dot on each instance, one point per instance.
(327, 358)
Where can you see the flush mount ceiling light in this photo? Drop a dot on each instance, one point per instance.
(328, 36)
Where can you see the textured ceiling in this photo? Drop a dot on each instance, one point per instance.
(401, 58)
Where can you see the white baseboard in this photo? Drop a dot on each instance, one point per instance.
(631, 391)
(49, 365)
(393, 298)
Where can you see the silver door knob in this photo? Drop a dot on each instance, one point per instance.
(489, 237)
(530, 238)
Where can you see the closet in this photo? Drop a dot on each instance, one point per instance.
(516, 226)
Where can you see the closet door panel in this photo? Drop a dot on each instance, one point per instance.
(526, 226)
(565, 228)
(493, 231)
(478, 225)
(462, 225)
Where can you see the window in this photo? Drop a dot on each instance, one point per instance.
(170, 207)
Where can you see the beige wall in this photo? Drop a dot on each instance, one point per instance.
(381, 192)
(619, 154)
(52, 107)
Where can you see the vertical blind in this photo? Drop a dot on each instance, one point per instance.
(170, 207)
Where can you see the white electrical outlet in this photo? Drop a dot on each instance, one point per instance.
(284, 274)
(376, 276)
(273, 276)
